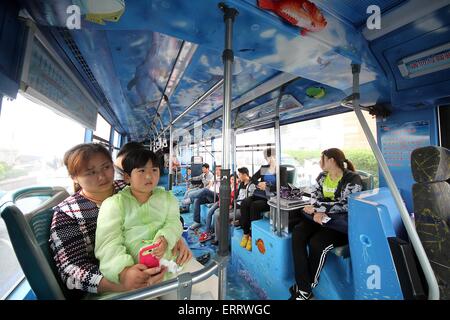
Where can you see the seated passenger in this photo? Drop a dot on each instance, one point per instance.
(328, 200)
(176, 166)
(72, 232)
(253, 206)
(207, 234)
(245, 190)
(126, 148)
(205, 195)
(207, 179)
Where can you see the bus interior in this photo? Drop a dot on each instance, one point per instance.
(223, 80)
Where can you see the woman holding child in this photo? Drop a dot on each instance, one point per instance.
(74, 226)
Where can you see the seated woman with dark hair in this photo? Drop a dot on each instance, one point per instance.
(316, 231)
(72, 232)
(252, 207)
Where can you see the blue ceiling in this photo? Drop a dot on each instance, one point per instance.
(138, 50)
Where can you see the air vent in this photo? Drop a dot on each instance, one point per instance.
(67, 37)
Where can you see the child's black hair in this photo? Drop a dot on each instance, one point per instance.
(130, 146)
(138, 159)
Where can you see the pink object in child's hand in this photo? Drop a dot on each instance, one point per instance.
(147, 258)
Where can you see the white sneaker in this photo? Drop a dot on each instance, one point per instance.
(302, 295)
(195, 225)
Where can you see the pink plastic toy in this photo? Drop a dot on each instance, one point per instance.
(147, 258)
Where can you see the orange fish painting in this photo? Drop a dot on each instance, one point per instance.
(260, 245)
(300, 13)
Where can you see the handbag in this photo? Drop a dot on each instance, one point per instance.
(260, 194)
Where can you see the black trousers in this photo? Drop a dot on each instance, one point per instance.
(320, 240)
(251, 209)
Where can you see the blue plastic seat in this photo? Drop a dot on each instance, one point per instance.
(29, 235)
(431, 196)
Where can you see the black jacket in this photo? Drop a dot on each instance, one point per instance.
(259, 176)
(350, 183)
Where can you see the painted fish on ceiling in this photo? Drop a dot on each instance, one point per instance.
(153, 72)
(101, 11)
(300, 13)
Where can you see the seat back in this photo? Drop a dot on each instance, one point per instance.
(367, 179)
(196, 166)
(29, 235)
(196, 169)
(431, 197)
(290, 172)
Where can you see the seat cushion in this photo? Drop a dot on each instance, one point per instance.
(432, 218)
(429, 164)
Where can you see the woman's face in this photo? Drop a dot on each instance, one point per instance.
(325, 163)
(144, 179)
(97, 176)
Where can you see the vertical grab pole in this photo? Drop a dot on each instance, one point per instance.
(169, 108)
(1, 99)
(170, 157)
(234, 166)
(433, 288)
(225, 190)
(278, 152)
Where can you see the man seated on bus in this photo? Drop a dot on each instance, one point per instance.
(207, 179)
(205, 195)
(245, 190)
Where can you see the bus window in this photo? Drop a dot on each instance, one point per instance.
(33, 140)
(32, 144)
(102, 131)
(251, 146)
(303, 142)
(116, 146)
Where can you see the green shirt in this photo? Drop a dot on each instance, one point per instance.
(329, 187)
(123, 223)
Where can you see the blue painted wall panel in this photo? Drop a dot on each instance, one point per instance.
(373, 218)
(425, 123)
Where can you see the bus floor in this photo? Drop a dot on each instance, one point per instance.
(237, 286)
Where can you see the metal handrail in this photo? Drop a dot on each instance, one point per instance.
(433, 293)
(169, 285)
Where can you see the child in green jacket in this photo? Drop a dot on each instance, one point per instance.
(141, 213)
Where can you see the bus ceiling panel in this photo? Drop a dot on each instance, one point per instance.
(319, 46)
(299, 98)
(133, 71)
(417, 60)
(355, 12)
(94, 47)
(300, 94)
(206, 70)
(143, 62)
(325, 111)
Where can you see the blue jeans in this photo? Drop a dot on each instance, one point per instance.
(217, 223)
(192, 193)
(209, 218)
(206, 196)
